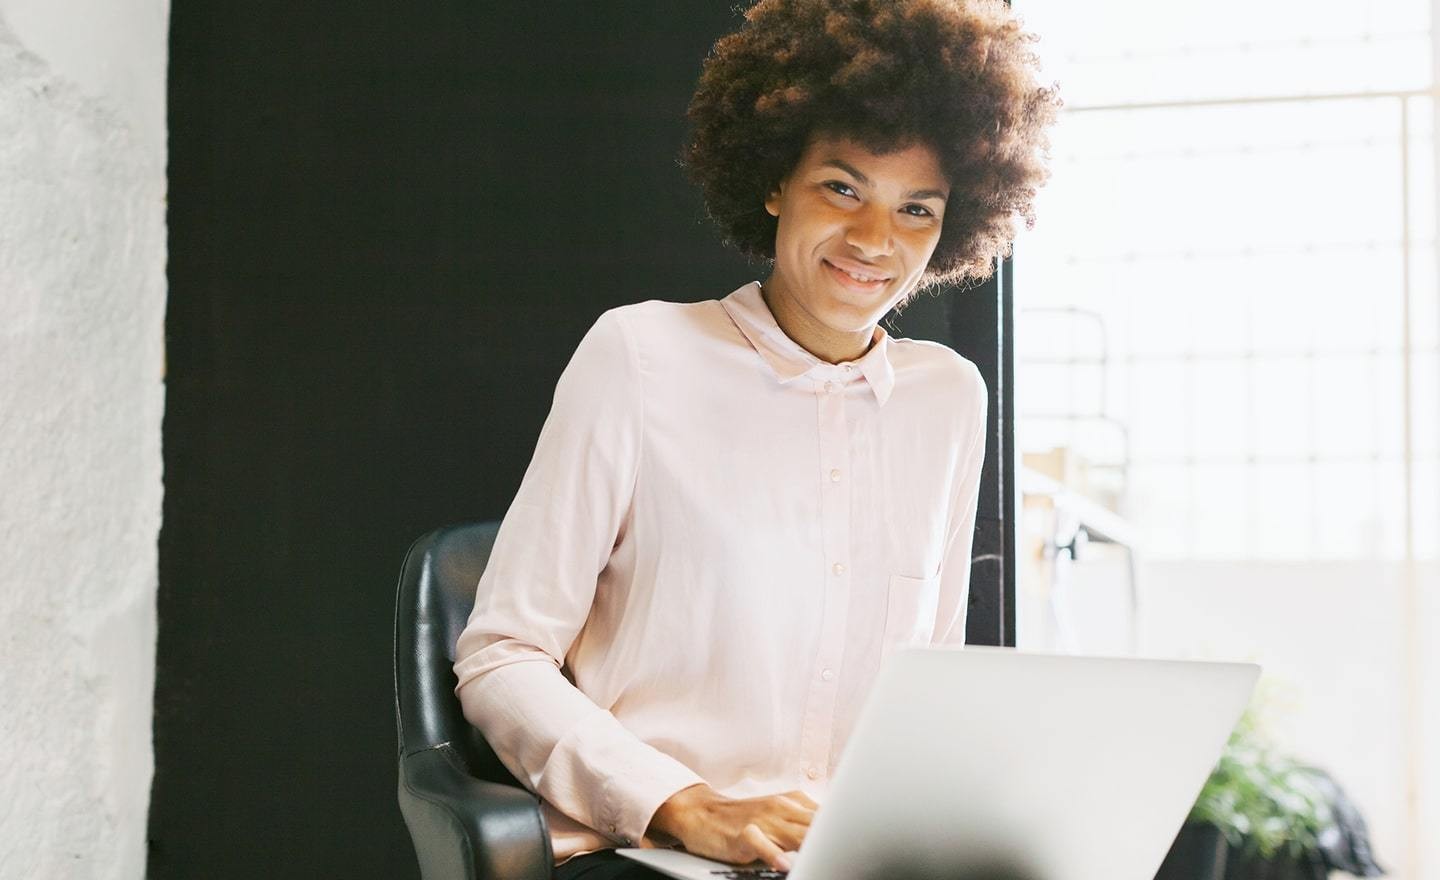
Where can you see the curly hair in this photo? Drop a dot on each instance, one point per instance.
(955, 75)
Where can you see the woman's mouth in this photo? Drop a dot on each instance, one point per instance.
(856, 280)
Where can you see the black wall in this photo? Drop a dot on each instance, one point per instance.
(390, 224)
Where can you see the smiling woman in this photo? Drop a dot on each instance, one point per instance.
(956, 77)
(855, 233)
(737, 509)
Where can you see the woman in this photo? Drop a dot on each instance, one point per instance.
(736, 508)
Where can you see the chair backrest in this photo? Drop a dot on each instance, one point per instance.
(433, 602)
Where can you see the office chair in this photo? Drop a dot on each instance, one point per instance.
(468, 817)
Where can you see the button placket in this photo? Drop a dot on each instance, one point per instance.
(835, 501)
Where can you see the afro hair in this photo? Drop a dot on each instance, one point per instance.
(955, 75)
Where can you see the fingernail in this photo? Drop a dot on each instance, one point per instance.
(784, 863)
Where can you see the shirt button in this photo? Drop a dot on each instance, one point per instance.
(849, 367)
(828, 674)
(829, 387)
(812, 773)
(834, 475)
(838, 568)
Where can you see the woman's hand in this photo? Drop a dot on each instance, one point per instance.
(736, 830)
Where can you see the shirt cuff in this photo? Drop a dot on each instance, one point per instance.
(638, 807)
(627, 778)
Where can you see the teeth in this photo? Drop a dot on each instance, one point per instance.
(861, 278)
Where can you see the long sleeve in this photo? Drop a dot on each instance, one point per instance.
(537, 592)
(960, 538)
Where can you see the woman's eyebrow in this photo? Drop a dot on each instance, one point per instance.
(865, 181)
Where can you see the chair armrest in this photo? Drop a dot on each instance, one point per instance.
(465, 828)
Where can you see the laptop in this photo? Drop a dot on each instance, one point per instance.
(992, 763)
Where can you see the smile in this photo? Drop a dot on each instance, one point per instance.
(856, 280)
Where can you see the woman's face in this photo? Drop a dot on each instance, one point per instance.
(845, 212)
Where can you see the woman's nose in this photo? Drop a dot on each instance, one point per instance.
(870, 233)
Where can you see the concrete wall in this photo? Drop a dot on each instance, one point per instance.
(82, 306)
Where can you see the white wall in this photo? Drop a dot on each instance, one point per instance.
(82, 304)
(1330, 637)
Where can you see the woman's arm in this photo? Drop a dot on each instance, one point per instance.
(536, 594)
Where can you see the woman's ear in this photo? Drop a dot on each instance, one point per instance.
(772, 201)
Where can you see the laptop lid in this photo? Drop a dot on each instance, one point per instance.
(1005, 764)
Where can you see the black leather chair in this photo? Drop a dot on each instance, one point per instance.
(468, 816)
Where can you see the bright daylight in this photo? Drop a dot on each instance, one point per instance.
(1226, 332)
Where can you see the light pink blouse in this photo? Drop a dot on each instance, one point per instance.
(717, 540)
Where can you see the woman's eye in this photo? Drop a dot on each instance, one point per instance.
(845, 189)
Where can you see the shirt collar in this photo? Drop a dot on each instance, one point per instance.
(788, 360)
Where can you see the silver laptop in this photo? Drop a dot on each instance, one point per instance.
(994, 763)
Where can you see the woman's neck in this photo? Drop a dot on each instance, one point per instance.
(826, 343)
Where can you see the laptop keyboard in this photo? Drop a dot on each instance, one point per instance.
(750, 874)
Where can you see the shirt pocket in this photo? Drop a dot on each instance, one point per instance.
(910, 611)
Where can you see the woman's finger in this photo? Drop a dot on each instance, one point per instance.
(769, 853)
(797, 811)
(790, 835)
(803, 798)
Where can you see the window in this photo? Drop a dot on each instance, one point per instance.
(1226, 336)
